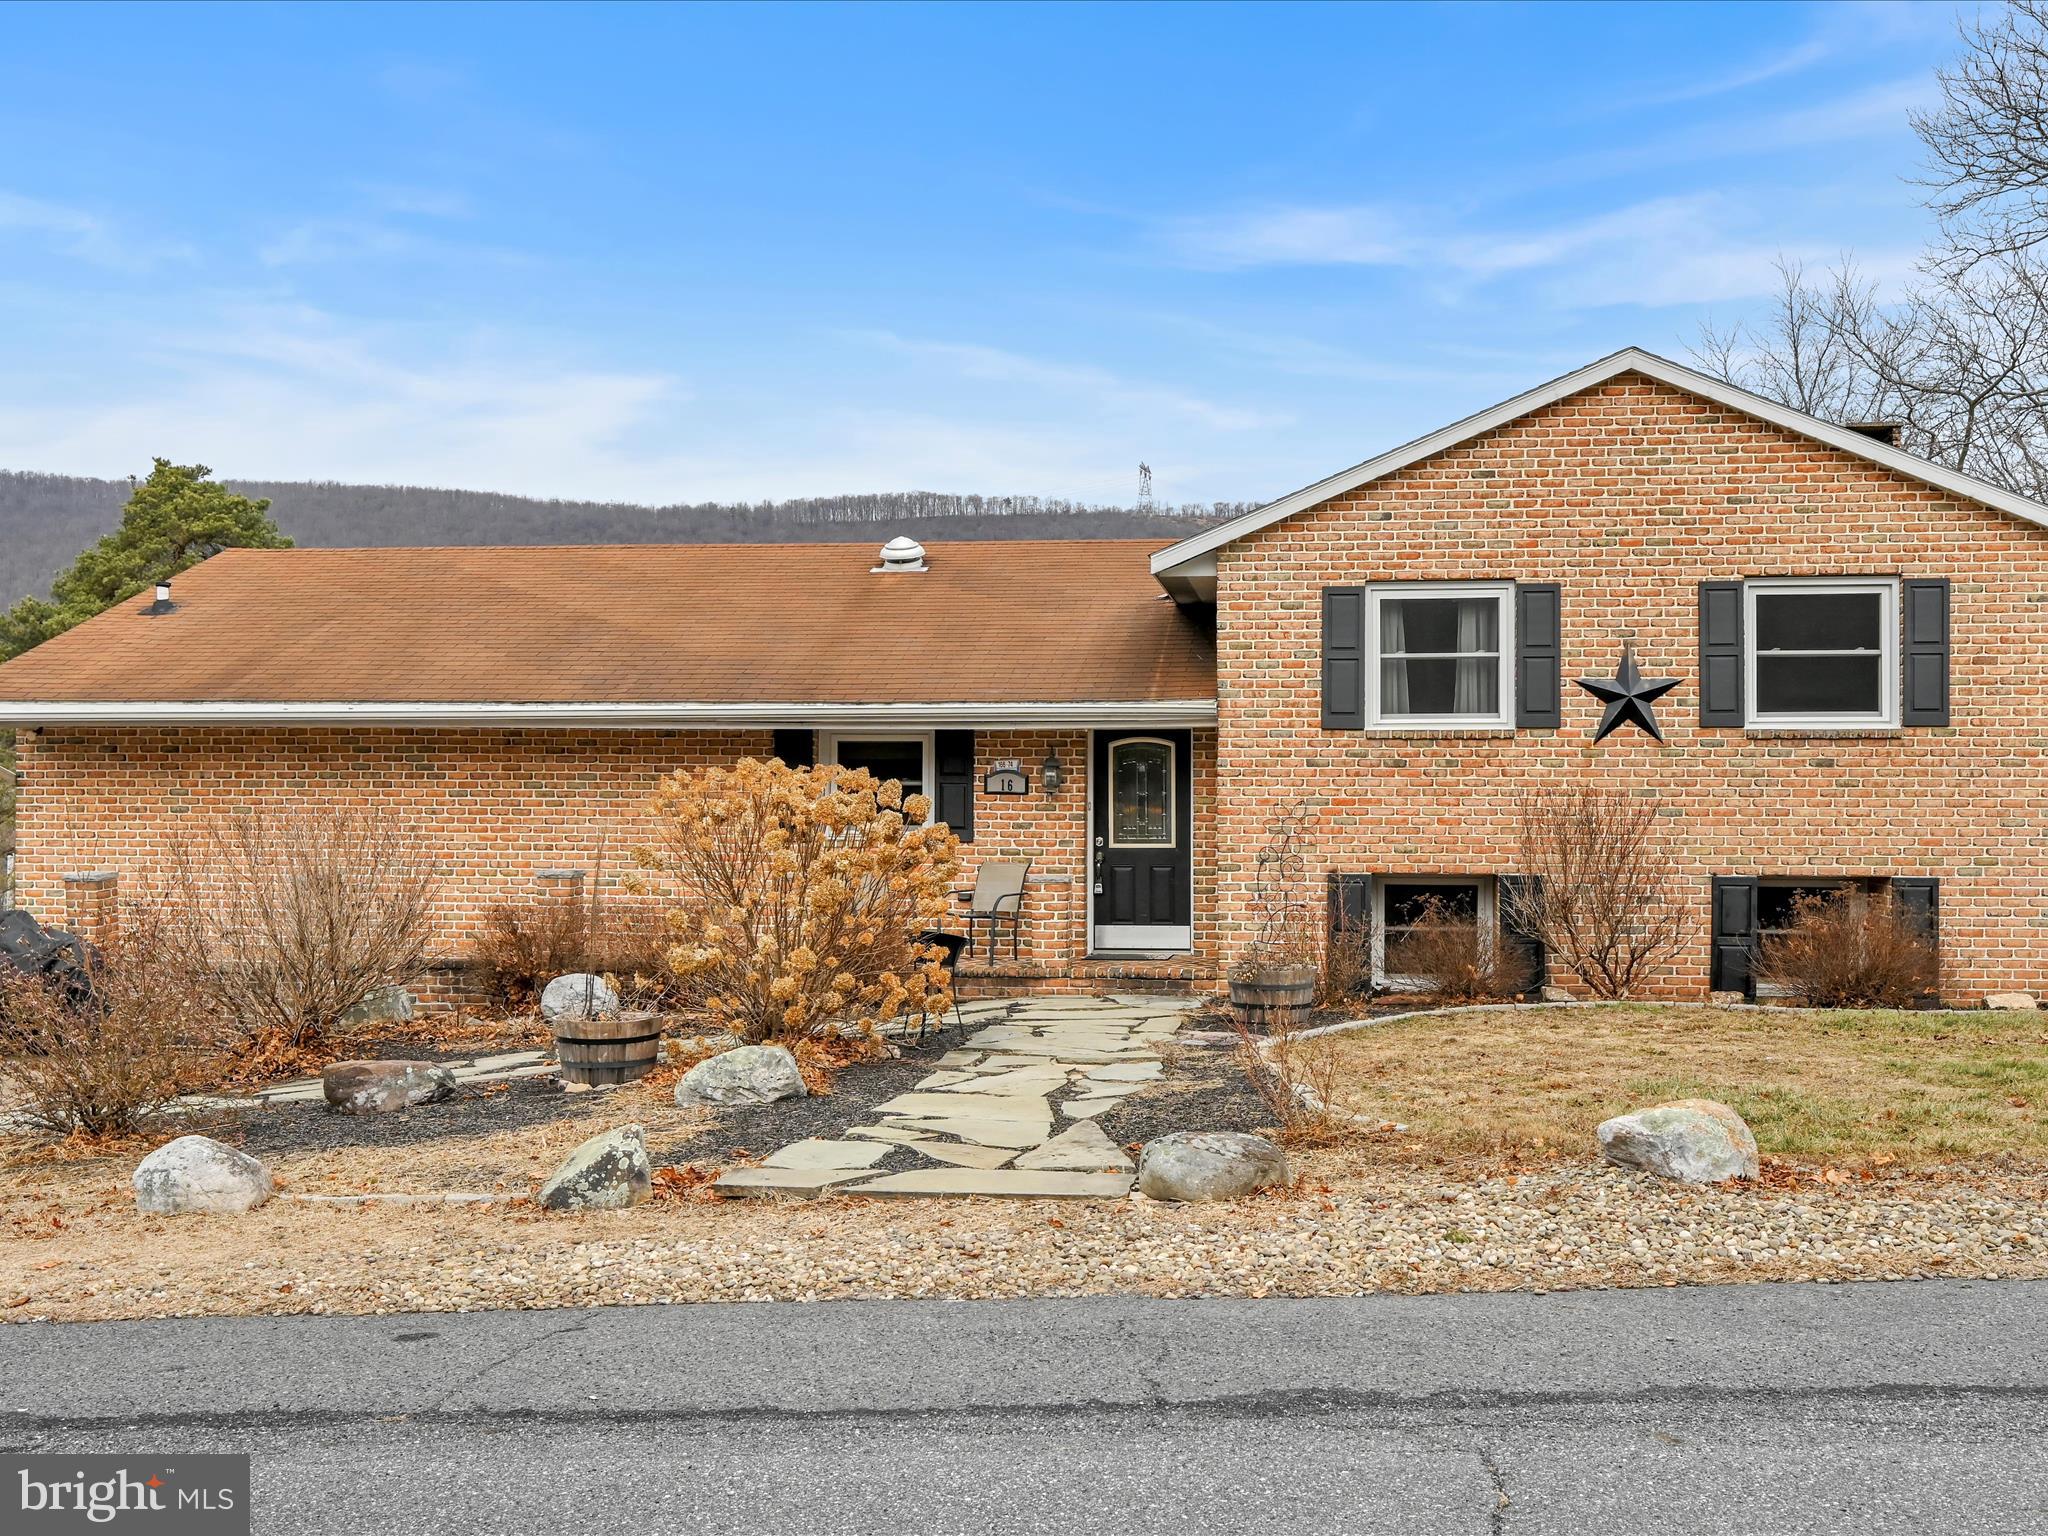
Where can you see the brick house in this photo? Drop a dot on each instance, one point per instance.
(1860, 639)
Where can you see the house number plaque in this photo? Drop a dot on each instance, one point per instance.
(1005, 778)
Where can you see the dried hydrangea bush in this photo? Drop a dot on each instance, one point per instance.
(795, 897)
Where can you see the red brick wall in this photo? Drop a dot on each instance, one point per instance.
(491, 808)
(1630, 495)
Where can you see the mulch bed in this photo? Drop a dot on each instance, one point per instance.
(1204, 1089)
(482, 1109)
(739, 1131)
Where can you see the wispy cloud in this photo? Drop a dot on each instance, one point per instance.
(1877, 111)
(1786, 61)
(1697, 248)
(292, 392)
(1842, 29)
(1101, 388)
(85, 235)
(390, 223)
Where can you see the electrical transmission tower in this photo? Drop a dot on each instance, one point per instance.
(1144, 487)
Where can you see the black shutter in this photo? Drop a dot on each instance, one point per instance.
(1734, 968)
(799, 749)
(1539, 702)
(1919, 899)
(1350, 902)
(1924, 667)
(1343, 658)
(1515, 936)
(953, 762)
(1721, 655)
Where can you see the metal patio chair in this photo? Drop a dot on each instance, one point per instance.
(949, 946)
(997, 898)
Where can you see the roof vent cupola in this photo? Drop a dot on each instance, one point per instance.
(902, 554)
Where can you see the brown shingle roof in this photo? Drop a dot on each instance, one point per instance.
(998, 622)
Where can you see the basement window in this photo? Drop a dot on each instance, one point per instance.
(1412, 911)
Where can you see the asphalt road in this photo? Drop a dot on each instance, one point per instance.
(1913, 1407)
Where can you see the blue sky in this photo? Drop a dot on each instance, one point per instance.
(665, 254)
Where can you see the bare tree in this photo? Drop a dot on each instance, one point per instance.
(1959, 363)
(1959, 359)
(1796, 355)
(294, 920)
(1596, 891)
(1987, 144)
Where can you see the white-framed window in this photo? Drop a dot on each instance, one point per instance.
(1141, 791)
(1821, 653)
(1440, 653)
(906, 756)
(1403, 906)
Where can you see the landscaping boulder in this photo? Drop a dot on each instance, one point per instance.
(1696, 1141)
(750, 1074)
(1209, 1165)
(197, 1173)
(578, 996)
(379, 1087)
(2023, 1001)
(386, 1005)
(606, 1173)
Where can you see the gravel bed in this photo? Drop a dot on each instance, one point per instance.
(1346, 1229)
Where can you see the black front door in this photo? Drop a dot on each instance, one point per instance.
(1143, 837)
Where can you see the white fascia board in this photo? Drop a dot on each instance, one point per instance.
(1630, 360)
(1169, 712)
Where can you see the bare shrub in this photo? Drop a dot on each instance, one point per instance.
(525, 945)
(293, 920)
(795, 896)
(109, 1063)
(1443, 953)
(1596, 891)
(1345, 975)
(1296, 1080)
(1850, 950)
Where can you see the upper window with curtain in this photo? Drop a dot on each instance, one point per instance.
(1440, 654)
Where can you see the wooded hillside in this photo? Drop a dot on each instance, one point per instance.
(48, 519)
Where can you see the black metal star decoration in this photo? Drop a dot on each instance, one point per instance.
(1628, 696)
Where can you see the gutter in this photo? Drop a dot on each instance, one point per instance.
(604, 716)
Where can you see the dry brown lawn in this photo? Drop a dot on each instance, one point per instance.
(1920, 1088)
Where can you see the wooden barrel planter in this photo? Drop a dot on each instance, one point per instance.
(618, 1048)
(1273, 999)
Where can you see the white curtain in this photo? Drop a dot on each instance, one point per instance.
(1476, 670)
(1393, 674)
(1478, 630)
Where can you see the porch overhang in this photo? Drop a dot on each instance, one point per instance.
(27, 715)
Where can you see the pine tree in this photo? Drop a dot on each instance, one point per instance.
(175, 519)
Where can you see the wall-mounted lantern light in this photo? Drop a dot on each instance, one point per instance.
(1051, 774)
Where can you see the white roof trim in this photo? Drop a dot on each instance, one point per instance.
(1168, 712)
(1629, 360)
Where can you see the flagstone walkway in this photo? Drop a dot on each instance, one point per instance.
(1010, 1111)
